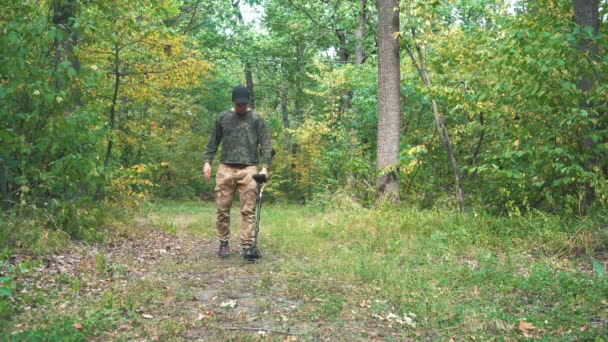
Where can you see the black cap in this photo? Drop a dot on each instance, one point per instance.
(240, 94)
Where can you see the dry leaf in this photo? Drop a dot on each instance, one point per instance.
(526, 328)
(78, 326)
(147, 316)
(206, 314)
(229, 304)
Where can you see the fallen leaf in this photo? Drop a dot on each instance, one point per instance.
(206, 314)
(78, 326)
(147, 316)
(229, 304)
(526, 328)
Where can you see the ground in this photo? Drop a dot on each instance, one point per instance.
(173, 286)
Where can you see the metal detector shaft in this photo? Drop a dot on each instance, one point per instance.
(261, 181)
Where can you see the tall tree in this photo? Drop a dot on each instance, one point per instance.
(248, 73)
(389, 107)
(586, 15)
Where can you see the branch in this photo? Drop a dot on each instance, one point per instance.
(192, 18)
(261, 329)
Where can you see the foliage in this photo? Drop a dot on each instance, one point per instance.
(90, 97)
(83, 100)
(418, 274)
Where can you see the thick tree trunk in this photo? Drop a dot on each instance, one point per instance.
(389, 108)
(586, 15)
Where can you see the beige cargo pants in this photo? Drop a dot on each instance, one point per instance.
(229, 179)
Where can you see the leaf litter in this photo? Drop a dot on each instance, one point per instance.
(177, 281)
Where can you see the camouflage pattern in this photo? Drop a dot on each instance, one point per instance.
(240, 136)
(229, 179)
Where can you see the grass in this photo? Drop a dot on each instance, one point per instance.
(425, 274)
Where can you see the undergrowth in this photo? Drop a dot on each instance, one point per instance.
(438, 275)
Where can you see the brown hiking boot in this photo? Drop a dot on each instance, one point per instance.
(224, 251)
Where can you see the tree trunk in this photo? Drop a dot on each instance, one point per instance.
(420, 65)
(112, 116)
(4, 199)
(285, 113)
(360, 33)
(586, 15)
(248, 74)
(389, 108)
(445, 141)
(249, 81)
(63, 14)
(298, 83)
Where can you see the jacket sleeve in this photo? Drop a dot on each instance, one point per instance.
(214, 141)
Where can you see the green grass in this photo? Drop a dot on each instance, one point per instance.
(456, 276)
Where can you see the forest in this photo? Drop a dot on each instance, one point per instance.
(458, 109)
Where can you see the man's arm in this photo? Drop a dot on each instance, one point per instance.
(212, 146)
(207, 170)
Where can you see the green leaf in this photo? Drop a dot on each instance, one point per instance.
(597, 267)
(6, 292)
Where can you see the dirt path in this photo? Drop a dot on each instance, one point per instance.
(161, 286)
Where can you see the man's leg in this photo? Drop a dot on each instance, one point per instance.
(224, 192)
(247, 188)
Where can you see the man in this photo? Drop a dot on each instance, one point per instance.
(242, 132)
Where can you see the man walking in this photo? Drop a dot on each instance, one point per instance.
(242, 132)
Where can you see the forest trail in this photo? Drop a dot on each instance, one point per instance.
(157, 285)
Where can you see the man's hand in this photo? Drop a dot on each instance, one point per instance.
(207, 171)
(264, 172)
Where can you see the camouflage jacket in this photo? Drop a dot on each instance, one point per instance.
(240, 136)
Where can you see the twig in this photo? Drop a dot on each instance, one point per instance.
(260, 329)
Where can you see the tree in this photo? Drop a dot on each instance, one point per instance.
(419, 61)
(389, 107)
(586, 16)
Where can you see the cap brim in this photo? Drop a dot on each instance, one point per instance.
(241, 100)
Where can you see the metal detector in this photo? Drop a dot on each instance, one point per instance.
(260, 179)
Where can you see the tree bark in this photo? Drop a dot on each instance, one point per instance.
(389, 107)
